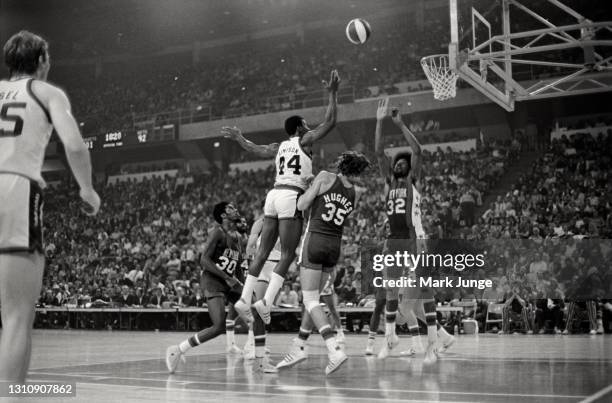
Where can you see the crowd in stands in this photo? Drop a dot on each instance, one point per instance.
(262, 75)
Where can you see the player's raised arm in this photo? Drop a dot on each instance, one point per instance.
(384, 165)
(209, 249)
(67, 129)
(415, 160)
(331, 114)
(261, 150)
(305, 200)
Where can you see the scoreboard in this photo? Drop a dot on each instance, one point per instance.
(133, 137)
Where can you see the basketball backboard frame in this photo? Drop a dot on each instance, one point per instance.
(583, 78)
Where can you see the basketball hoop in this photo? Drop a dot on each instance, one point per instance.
(442, 78)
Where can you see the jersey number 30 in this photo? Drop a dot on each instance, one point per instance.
(334, 213)
(227, 265)
(294, 163)
(5, 116)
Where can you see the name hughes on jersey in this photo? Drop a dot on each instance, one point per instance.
(338, 198)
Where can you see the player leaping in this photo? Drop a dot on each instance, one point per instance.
(282, 218)
(403, 199)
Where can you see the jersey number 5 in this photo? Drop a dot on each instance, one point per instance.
(5, 116)
(334, 213)
(294, 162)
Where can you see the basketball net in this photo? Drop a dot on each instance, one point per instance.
(442, 78)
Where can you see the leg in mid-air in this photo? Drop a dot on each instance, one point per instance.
(330, 301)
(379, 307)
(230, 339)
(298, 351)
(312, 280)
(289, 232)
(20, 284)
(269, 235)
(216, 309)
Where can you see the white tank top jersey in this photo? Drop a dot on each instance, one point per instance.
(416, 214)
(25, 129)
(293, 164)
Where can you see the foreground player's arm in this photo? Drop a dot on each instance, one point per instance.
(251, 248)
(383, 161)
(261, 150)
(415, 160)
(67, 129)
(209, 249)
(305, 200)
(331, 114)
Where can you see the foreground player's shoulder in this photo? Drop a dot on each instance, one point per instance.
(48, 93)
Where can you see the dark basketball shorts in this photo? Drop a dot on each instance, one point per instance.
(392, 246)
(216, 287)
(320, 251)
(21, 214)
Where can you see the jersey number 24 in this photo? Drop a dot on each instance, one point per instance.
(294, 163)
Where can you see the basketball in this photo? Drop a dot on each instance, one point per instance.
(358, 31)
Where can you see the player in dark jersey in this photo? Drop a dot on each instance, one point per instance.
(403, 186)
(331, 199)
(221, 257)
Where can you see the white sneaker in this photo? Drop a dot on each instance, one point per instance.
(390, 343)
(430, 354)
(173, 358)
(565, 332)
(447, 343)
(233, 349)
(263, 365)
(408, 353)
(249, 351)
(600, 329)
(369, 347)
(593, 332)
(263, 310)
(336, 359)
(295, 355)
(244, 311)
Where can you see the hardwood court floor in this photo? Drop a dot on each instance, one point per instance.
(129, 367)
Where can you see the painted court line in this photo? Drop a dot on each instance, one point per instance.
(331, 397)
(545, 396)
(598, 395)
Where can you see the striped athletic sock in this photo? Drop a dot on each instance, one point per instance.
(303, 335)
(229, 332)
(430, 318)
(188, 344)
(371, 335)
(260, 346)
(330, 340)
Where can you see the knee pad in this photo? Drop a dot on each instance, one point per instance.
(311, 299)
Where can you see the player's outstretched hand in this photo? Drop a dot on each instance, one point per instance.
(91, 200)
(383, 106)
(396, 116)
(334, 82)
(231, 132)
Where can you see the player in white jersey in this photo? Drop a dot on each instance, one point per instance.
(30, 109)
(255, 347)
(282, 218)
